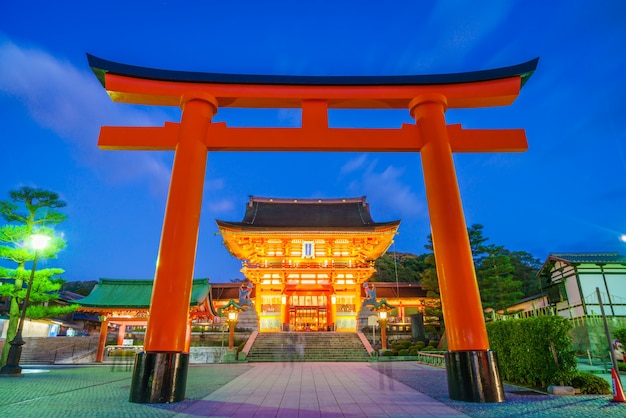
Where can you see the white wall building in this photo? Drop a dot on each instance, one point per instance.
(571, 281)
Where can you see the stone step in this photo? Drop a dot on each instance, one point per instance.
(320, 347)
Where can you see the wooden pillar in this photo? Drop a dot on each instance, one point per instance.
(460, 300)
(102, 339)
(169, 306)
(188, 339)
(472, 368)
(284, 310)
(160, 373)
(358, 304)
(120, 334)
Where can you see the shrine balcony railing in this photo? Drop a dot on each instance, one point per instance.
(307, 265)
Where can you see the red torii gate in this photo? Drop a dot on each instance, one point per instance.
(160, 373)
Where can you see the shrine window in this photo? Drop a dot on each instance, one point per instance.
(308, 249)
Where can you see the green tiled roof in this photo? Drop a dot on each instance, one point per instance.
(121, 293)
(590, 257)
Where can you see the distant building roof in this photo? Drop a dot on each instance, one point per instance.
(578, 258)
(317, 214)
(66, 295)
(391, 290)
(589, 257)
(121, 293)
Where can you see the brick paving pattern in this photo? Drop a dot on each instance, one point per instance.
(386, 389)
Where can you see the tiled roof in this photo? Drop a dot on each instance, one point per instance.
(120, 293)
(589, 257)
(307, 213)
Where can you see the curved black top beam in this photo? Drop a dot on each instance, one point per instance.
(100, 67)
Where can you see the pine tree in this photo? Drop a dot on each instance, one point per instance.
(29, 211)
(498, 288)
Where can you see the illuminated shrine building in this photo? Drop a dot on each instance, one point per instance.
(307, 259)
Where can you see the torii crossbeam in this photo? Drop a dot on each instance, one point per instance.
(160, 373)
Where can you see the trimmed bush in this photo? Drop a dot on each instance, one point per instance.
(403, 352)
(590, 384)
(388, 353)
(413, 351)
(397, 346)
(533, 351)
(620, 334)
(420, 344)
(621, 367)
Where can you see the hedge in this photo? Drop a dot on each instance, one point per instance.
(533, 351)
(590, 384)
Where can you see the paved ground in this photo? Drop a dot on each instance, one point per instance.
(389, 389)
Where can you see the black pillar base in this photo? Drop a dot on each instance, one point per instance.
(473, 376)
(159, 377)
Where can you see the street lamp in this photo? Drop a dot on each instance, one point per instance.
(231, 309)
(12, 368)
(383, 309)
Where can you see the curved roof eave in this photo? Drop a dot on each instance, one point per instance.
(101, 66)
(257, 228)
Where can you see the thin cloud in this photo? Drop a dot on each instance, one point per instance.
(221, 206)
(72, 104)
(353, 164)
(386, 191)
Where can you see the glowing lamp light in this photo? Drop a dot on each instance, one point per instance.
(333, 299)
(39, 241)
(283, 299)
(231, 310)
(382, 314)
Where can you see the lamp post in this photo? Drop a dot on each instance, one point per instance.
(383, 309)
(231, 309)
(12, 368)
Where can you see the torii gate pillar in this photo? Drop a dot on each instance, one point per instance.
(160, 373)
(472, 368)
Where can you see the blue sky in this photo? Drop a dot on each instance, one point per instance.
(567, 193)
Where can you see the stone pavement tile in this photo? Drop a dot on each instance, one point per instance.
(431, 381)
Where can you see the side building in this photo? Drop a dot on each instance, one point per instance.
(572, 279)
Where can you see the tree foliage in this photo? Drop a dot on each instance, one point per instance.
(498, 288)
(79, 287)
(504, 276)
(29, 211)
(404, 267)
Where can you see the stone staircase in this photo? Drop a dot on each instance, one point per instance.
(51, 350)
(307, 346)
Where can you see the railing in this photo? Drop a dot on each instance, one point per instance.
(69, 350)
(432, 358)
(343, 265)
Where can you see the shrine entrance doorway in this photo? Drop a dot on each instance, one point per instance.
(308, 311)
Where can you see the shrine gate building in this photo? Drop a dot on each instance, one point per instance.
(307, 259)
